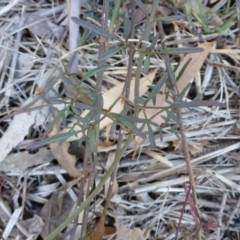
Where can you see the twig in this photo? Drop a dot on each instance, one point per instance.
(179, 116)
(74, 35)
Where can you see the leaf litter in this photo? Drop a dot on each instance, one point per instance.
(149, 195)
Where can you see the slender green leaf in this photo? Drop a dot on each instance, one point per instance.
(157, 87)
(176, 51)
(166, 119)
(169, 102)
(94, 71)
(110, 53)
(183, 69)
(50, 87)
(28, 108)
(151, 136)
(146, 64)
(115, 13)
(154, 42)
(93, 28)
(168, 19)
(172, 116)
(127, 124)
(84, 36)
(150, 132)
(56, 100)
(113, 127)
(92, 139)
(57, 118)
(141, 6)
(184, 92)
(84, 90)
(170, 71)
(113, 116)
(84, 106)
(67, 81)
(187, 14)
(154, 9)
(53, 139)
(22, 110)
(127, 25)
(75, 110)
(140, 100)
(98, 100)
(131, 119)
(133, 128)
(81, 119)
(172, 93)
(173, 130)
(160, 133)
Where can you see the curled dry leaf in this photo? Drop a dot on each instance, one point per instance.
(16, 132)
(19, 162)
(109, 98)
(41, 26)
(125, 233)
(60, 152)
(24, 64)
(161, 11)
(33, 225)
(196, 62)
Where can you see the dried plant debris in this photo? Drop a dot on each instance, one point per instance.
(60, 152)
(58, 207)
(95, 100)
(21, 161)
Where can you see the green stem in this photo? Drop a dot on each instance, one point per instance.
(93, 194)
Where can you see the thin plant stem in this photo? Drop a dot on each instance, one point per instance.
(179, 116)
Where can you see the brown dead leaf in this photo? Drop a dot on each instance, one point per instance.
(232, 53)
(193, 148)
(109, 98)
(108, 230)
(60, 152)
(196, 62)
(99, 230)
(160, 158)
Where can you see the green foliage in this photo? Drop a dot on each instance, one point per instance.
(80, 98)
(93, 28)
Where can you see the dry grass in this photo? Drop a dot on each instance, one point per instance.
(159, 187)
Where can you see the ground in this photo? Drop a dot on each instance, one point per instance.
(119, 119)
